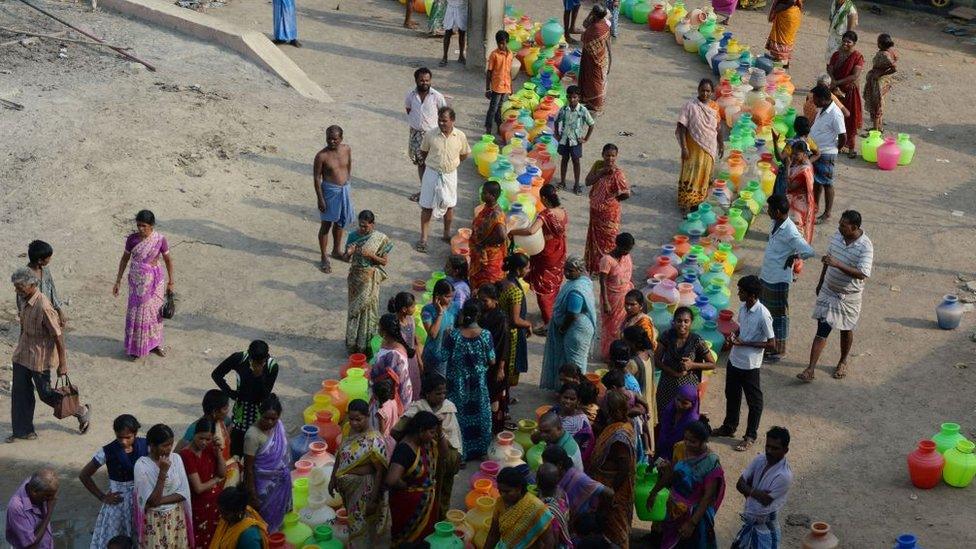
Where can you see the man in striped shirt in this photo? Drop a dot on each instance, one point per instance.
(847, 264)
(39, 348)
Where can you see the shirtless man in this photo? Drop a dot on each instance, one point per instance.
(331, 172)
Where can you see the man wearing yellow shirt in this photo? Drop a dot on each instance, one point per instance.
(442, 152)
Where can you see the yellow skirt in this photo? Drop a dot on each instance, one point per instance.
(696, 173)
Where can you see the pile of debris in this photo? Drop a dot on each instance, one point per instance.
(200, 5)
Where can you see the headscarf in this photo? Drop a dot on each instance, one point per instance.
(671, 429)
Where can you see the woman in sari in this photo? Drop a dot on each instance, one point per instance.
(701, 145)
(845, 71)
(521, 520)
(119, 458)
(404, 306)
(469, 354)
(799, 192)
(438, 319)
(877, 83)
(366, 251)
(842, 18)
(495, 321)
(675, 418)
(596, 59)
(616, 270)
(583, 494)
(572, 327)
(487, 239)
(785, 15)
(143, 322)
(612, 464)
(682, 356)
(240, 526)
(392, 362)
(410, 480)
(266, 464)
(608, 188)
(697, 486)
(206, 470)
(358, 476)
(512, 300)
(546, 267)
(162, 495)
(435, 19)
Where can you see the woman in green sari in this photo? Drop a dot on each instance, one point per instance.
(366, 251)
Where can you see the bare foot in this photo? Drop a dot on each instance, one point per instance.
(409, 25)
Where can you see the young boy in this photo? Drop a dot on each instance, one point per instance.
(754, 336)
(570, 11)
(455, 19)
(498, 81)
(569, 133)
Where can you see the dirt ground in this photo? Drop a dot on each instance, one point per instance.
(221, 152)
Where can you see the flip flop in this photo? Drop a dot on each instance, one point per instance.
(325, 267)
(12, 438)
(415, 197)
(723, 431)
(839, 372)
(442, 63)
(744, 445)
(821, 220)
(802, 376)
(578, 191)
(421, 247)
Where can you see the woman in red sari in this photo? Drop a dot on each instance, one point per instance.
(487, 239)
(799, 192)
(546, 267)
(608, 186)
(595, 61)
(205, 469)
(845, 69)
(410, 479)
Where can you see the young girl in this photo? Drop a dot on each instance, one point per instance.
(404, 306)
(512, 301)
(392, 362)
(119, 457)
(206, 470)
(383, 411)
(616, 271)
(588, 395)
(641, 364)
(574, 420)
(358, 475)
(456, 270)
(438, 317)
(495, 321)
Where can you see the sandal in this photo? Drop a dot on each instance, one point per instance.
(723, 431)
(325, 266)
(821, 220)
(83, 425)
(442, 63)
(159, 351)
(840, 372)
(852, 154)
(13, 438)
(421, 246)
(746, 443)
(577, 190)
(805, 377)
(415, 197)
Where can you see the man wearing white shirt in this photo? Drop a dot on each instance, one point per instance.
(754, 336)
(765, 484)
(785, 246)
(828, 133)
(421, 104)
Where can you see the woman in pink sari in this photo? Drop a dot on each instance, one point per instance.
(595, 61)
(616, 270)
(143, 323)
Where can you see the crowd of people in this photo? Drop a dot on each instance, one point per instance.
(437, 402)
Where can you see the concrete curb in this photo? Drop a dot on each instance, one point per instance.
(251, 44)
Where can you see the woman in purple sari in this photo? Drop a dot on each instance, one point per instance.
(676, 416)
(143, 323)
(266, 464)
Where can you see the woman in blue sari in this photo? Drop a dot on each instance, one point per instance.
(572, 327)
(438, 319)
(697, 488)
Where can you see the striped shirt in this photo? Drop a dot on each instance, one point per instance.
(39, 329)
(47, 288)
(858, 255)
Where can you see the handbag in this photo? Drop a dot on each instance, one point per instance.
(168, 309)
(70, 402)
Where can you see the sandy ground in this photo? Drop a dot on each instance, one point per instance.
(225, 167)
